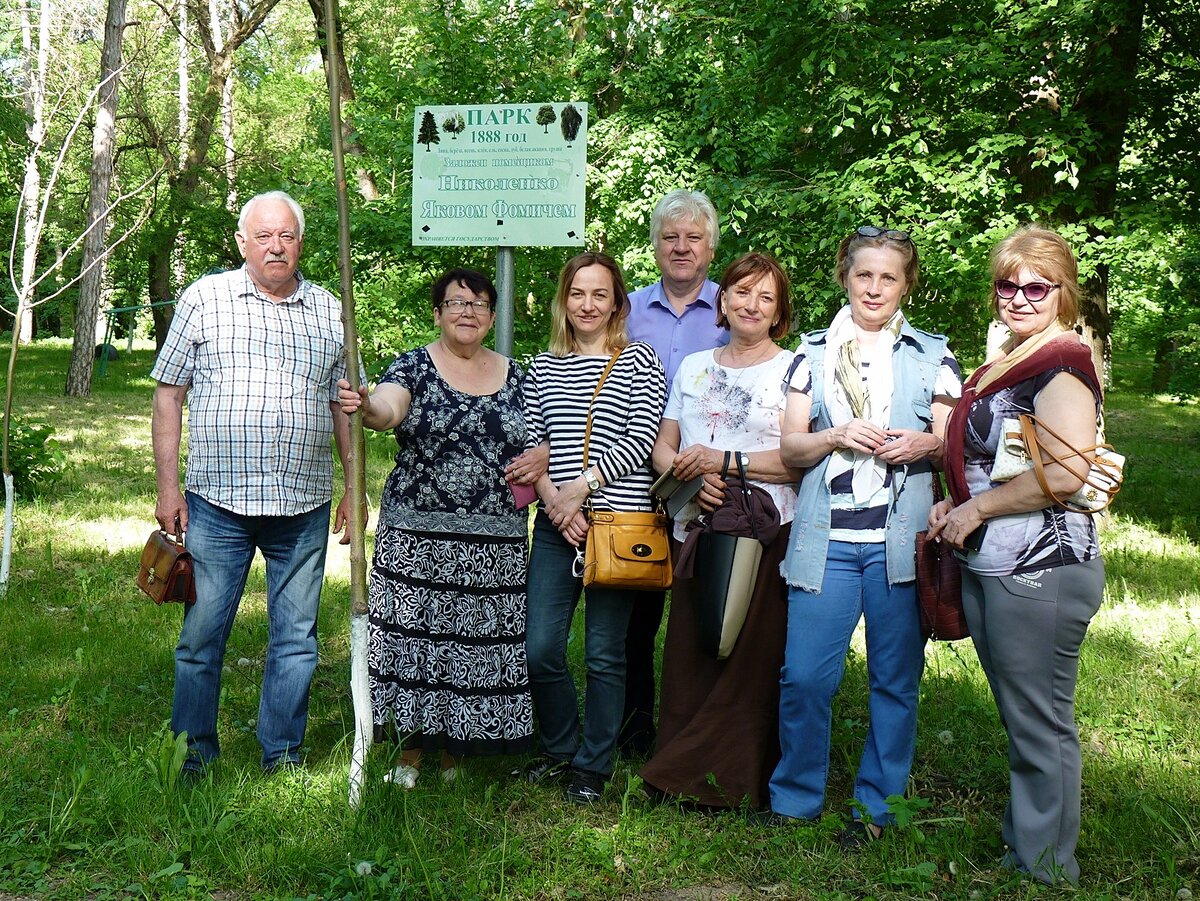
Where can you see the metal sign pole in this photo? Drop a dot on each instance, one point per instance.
(505, 279)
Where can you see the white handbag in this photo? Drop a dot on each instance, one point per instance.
(1019, 450)
(1012, 458)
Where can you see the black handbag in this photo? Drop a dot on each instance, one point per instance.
(724, 566)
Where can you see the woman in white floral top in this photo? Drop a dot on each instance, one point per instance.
(725, 404)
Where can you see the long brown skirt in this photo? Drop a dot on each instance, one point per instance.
(718, 732)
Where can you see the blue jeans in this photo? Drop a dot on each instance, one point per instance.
(818, 635)
(553, 593)
(222, 545)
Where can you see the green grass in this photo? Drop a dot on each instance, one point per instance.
(89, 805)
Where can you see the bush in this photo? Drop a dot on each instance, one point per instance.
(1183, 379)
(34, 459)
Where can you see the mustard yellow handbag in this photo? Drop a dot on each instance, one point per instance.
(627, 550)
(624, 549)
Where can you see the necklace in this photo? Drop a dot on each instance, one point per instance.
(767, 349)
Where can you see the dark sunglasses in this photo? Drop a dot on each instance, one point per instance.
(874, 231)
(1033, 291)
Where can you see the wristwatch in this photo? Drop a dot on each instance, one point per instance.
(743, 459)
(593, 482)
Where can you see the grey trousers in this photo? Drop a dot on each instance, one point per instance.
(1027, 631)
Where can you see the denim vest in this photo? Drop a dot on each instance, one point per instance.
(916, 358)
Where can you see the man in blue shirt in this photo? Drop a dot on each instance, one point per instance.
(677, 316)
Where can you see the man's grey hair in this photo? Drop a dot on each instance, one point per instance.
(685, 206)
(272, 195)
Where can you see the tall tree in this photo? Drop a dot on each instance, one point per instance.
(104, 135)
(30, 228)
(351, 144)
(182, 189)
(35, 62)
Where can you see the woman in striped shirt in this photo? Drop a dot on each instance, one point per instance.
(588, 327)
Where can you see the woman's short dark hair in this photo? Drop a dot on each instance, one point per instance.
(475, 282)
(758, 266)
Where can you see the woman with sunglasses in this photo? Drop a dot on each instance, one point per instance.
(867, 405)
(447, 593)
(1034, 577)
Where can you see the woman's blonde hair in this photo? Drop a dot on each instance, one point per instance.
(1038, 249)
(905, 246)
(562, 333)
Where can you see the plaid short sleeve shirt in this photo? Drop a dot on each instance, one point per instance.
(262, 375)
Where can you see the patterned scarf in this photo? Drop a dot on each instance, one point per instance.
(848, 396)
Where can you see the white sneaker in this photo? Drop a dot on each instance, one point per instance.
(404, 776)
(449, 774)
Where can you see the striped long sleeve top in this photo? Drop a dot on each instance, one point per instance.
(625, 419)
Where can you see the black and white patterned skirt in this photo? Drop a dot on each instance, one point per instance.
(447, 642)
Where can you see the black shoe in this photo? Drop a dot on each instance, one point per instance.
(281, 767)
(543, 770)
(585, 788)
(191, 776)
(773, 820)
(638, 735)
(857, 835)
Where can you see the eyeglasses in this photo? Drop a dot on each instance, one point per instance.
(458, 307)
(1033, 291)
(874, 231)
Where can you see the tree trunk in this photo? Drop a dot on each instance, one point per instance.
(79, 373)
(158, 265)
(1106, 101)
(184, 88)
(184, 184)
(35, 62)
(227, 134)
(367, 189)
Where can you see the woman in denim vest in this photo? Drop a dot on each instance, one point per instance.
(867, 407)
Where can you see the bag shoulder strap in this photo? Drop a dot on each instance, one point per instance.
(1037, 450)
(587, 432)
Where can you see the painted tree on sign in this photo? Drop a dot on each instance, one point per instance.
(429, 131)
(545, 116)
(454, 125)
(569, 122)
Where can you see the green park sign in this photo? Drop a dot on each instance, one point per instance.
(499, 175)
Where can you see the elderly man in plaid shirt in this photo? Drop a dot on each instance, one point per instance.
(260, 349)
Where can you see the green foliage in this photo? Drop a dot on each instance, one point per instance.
(165, 757)
(923, 119)
(35, 458)
(1184, 364)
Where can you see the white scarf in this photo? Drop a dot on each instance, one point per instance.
(870, 472)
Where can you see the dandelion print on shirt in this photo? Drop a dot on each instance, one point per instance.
(725, 404)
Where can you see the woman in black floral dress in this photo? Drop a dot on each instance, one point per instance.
(447, 590)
